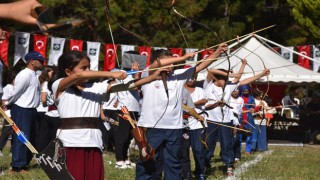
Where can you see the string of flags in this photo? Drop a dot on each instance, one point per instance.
(57, 46)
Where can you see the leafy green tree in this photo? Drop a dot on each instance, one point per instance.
(307, 13)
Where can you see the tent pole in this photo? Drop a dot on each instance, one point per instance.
(279, 45)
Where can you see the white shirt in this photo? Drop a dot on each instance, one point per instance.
(260, 121)
(213, 94)
(237, 104)
(50, 101)
(159, 112)
(44, 89)
(85, 104)
(196, 95)
(26, 93)
(7, 93)
(130, 99)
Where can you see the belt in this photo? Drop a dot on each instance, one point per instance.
(79, 123)
(52, 107)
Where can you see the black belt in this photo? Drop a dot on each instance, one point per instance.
(79, 123)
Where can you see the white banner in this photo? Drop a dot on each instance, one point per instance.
(156, 48)
(125, 48)
(93, 50)
(288, 55)
(191, 61)
(316, 56)
(56, 50)
(21, 46)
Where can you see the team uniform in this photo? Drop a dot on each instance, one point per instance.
(213, 94)
(79, 111)
(237, 104)
(162, 116)
(194, 132)
(130, 99)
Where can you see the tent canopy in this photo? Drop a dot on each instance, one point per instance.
(257, 54)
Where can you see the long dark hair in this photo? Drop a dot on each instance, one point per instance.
(69, 60)
(44, 76)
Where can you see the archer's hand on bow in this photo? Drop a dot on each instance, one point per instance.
(265, 72)
(189, 55)
(222, 48)
(119, 75)
(214, 105)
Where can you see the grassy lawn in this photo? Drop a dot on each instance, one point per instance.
(277, 163)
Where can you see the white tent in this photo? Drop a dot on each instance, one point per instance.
(254, 50)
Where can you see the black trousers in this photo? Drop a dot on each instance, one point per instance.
(5, 133)
(123, 137)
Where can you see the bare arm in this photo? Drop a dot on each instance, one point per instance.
(169, 60)
(75, 77)
(222, 47)
(266, 72)
(44, 99)
(201, 102)
(243, 65)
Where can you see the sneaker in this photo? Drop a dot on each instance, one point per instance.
(230, 172)
(129, 164)
(120, 165)
(1, 154)
(236, 160)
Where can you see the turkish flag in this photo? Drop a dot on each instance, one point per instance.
(4, 47)
(145, 51)
(76, 45)
(206, 53)
(110, 51)
(176, 52)
(302, 61)
(40, 44)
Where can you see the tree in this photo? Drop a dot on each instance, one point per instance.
(307, 13)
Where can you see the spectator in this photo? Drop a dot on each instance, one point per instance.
(289, 101)
(6, 129)
(24, 101)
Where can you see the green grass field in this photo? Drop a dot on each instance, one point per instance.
(277, 163)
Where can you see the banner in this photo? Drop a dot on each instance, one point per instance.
(157, 48)
(205, 54)
(56, 50)
(40, 44)
(75, 45)
(302, 61)
(125, 48)
(93, 50)
(176, 52)
(145, 51)
(21, 46)
(191, 61)
(110, 56)
(316, 56)
(288, 55)
(4, 47)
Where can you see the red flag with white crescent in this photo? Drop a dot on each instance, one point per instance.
(145, 51)
(4, 48)
(206, 53)
(302, 61)
(176, 52)
(76, 45)
(40, 44)
(110, 51)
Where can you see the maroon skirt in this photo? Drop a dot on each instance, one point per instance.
(85, 163)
